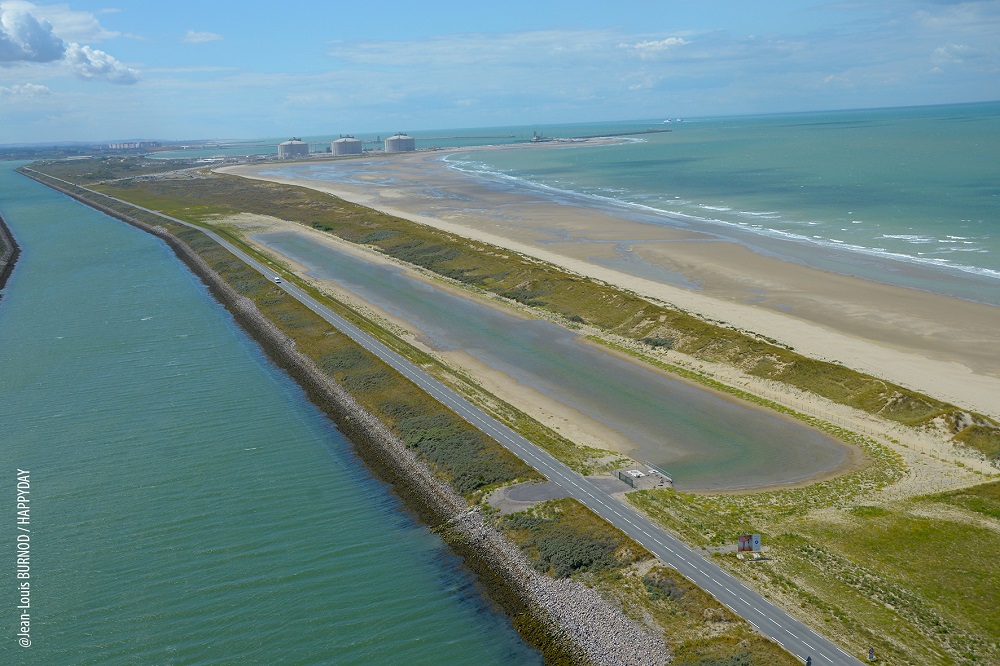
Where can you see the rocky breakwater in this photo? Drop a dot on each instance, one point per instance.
(568, 621)
(9, 252)
(597, 631)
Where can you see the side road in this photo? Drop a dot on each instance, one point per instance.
(767, 618)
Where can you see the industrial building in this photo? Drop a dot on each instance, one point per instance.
(346, 145)
(400, 143)
(294, 147)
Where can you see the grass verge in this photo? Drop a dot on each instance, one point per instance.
(914, 578)
(564, 539)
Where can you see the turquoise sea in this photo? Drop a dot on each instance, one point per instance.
(187, 504)
(906, 196)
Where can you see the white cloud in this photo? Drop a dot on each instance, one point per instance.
(541, 47)
(652, 48)
(952, 53)
(28, 37)
(24, 90)
(195, 37)
(70, 25)
(24, 38)
(91, 63)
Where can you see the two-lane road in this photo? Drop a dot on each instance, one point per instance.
(767, 618)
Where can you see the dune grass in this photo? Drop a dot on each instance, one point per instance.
(565, 539)
(983, 499)
(689, 616)
(915, 578)
(536, 284)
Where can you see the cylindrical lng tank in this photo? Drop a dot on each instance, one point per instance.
(346, 145)
(399, 143)
(294, 147)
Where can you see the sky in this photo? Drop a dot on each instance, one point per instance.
(221, 69)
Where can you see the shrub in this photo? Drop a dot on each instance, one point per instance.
(660, 587)
(666, 343)
(563, 537)
(375, 236)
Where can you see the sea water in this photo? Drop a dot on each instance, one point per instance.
(187, 504)
(905, 196)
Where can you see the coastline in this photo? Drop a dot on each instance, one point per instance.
(9, 255)
(922, 480)
(566, 620)
(938, 345)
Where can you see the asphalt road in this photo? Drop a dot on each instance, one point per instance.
(764, 616)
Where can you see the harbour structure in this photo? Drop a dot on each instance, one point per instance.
(294, 147)
(133, 145)
(346, 145)
(400, 143)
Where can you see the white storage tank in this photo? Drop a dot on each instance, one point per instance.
(400, 143)
(346, 145)
(294, 147)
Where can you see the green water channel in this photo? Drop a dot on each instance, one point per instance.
(187, 504)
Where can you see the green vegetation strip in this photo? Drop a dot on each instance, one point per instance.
(915, 578)
(459, 453)
(536, 284)
(983, 499)
(565, 539)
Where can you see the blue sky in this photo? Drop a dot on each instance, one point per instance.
(93, 71)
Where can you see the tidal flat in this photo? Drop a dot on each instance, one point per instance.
(703, 440)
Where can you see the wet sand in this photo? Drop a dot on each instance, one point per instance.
(941, 346)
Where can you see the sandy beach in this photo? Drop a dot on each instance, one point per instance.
(944, 347)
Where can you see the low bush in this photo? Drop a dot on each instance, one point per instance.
(563, 538)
